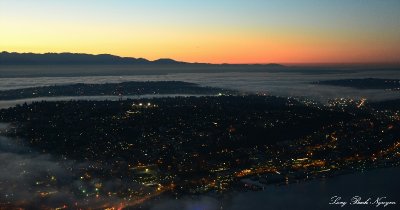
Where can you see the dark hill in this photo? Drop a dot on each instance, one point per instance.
(7, 58)
(12, 58)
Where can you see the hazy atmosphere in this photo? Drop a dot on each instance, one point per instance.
(199, 105)
(223, 31)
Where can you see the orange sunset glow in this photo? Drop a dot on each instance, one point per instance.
(207, 31)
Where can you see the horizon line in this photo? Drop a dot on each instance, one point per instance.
(303, 64)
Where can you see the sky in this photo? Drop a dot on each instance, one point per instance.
(213, 31)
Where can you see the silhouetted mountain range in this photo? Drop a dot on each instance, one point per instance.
(7, 58)
(12, 58)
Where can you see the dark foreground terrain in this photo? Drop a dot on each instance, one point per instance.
(198, 145)
(113, 89)
(368, 83)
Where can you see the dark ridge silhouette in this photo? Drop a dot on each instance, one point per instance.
(13, 58)
(7, 58)
(166, 61)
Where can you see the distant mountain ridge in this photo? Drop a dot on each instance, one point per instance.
(7, 58)
(13, 58)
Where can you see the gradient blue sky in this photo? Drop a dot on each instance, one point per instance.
(235, 31)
